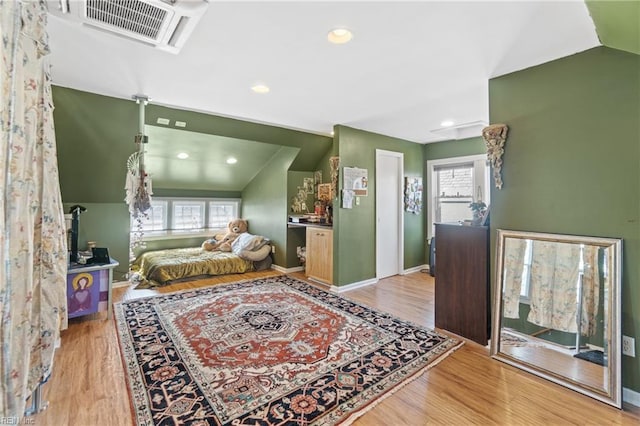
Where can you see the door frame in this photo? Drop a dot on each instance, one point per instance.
(400, 224)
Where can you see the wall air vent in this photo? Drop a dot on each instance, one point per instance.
(164, 24)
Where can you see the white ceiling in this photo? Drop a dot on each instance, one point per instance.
(410, 65)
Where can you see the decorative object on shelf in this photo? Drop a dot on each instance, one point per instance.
(477, 208)
(495, 137)
(334, 163)
(299, 201)
(317, 178)
(138, 182)
(413, 194)
(486, 216)
(301, 252)
(308, 185)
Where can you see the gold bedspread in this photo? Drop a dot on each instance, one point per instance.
(161, 266)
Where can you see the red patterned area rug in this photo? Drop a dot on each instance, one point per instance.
(273, 351)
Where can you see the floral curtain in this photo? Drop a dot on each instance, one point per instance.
(514, 251)
(590, 290)
(554, 285)
(32, 228)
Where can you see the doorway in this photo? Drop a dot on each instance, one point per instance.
(389, 217)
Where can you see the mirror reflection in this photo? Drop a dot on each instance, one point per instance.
(558, 312)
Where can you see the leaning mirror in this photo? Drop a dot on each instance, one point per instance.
(557, 309)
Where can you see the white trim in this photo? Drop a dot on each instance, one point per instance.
(117, 284)
(168, 219)
(287, 270)
(400, 156)
(415, 269)
(353, 286)
(631, 397)
(178, 234)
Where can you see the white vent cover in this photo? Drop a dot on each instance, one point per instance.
(164, 24)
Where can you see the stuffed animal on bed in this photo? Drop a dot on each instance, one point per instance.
(223, 243)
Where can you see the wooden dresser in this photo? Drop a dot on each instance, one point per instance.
(462, 280)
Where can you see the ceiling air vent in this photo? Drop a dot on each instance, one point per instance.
(461, 131)
(164, 24)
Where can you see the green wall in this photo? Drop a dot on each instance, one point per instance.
(454, 148)
(355, 229)
(108, 225)
(572, 160)
(296, 236)
(265, 203)
(617, 23)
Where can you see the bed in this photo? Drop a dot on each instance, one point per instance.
(162, 267)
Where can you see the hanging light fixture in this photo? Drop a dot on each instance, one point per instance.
(138, 182)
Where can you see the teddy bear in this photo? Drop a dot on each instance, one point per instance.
(223, 242)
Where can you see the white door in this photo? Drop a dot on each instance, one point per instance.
(389, 218)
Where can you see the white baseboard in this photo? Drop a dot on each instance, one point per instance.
(117, 284)
(415, 269)
(353, 286)
(631, 397)
(287, 270)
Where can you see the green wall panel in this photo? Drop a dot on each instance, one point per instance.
(95, 136)
(312, 146)
(454, 148)
(265, 203)
(296, 236)
(108, 225)
(355, 229)
(195, 193)
(572, 160)
(617, 23)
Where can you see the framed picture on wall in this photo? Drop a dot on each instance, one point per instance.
(324, 192)
(413, 194)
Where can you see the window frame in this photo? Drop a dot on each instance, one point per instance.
(171, 233)
(481, 177)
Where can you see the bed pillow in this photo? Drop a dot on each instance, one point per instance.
(247, 242)
(257, 254)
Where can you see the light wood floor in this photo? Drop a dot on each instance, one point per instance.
(88, 386)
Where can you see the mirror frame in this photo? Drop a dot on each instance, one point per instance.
(613, 393)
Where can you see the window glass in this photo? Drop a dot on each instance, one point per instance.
(188, 215)
(221, 213)
(183, 214)
(454, 186)
(156, 219)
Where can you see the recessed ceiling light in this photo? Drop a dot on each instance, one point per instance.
(183, 155)
(231, 160)
(447, 123)
(261, 88)
(339, 36)
(164, 121)
(181, 124)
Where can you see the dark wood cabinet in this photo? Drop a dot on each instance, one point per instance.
(462, 280)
